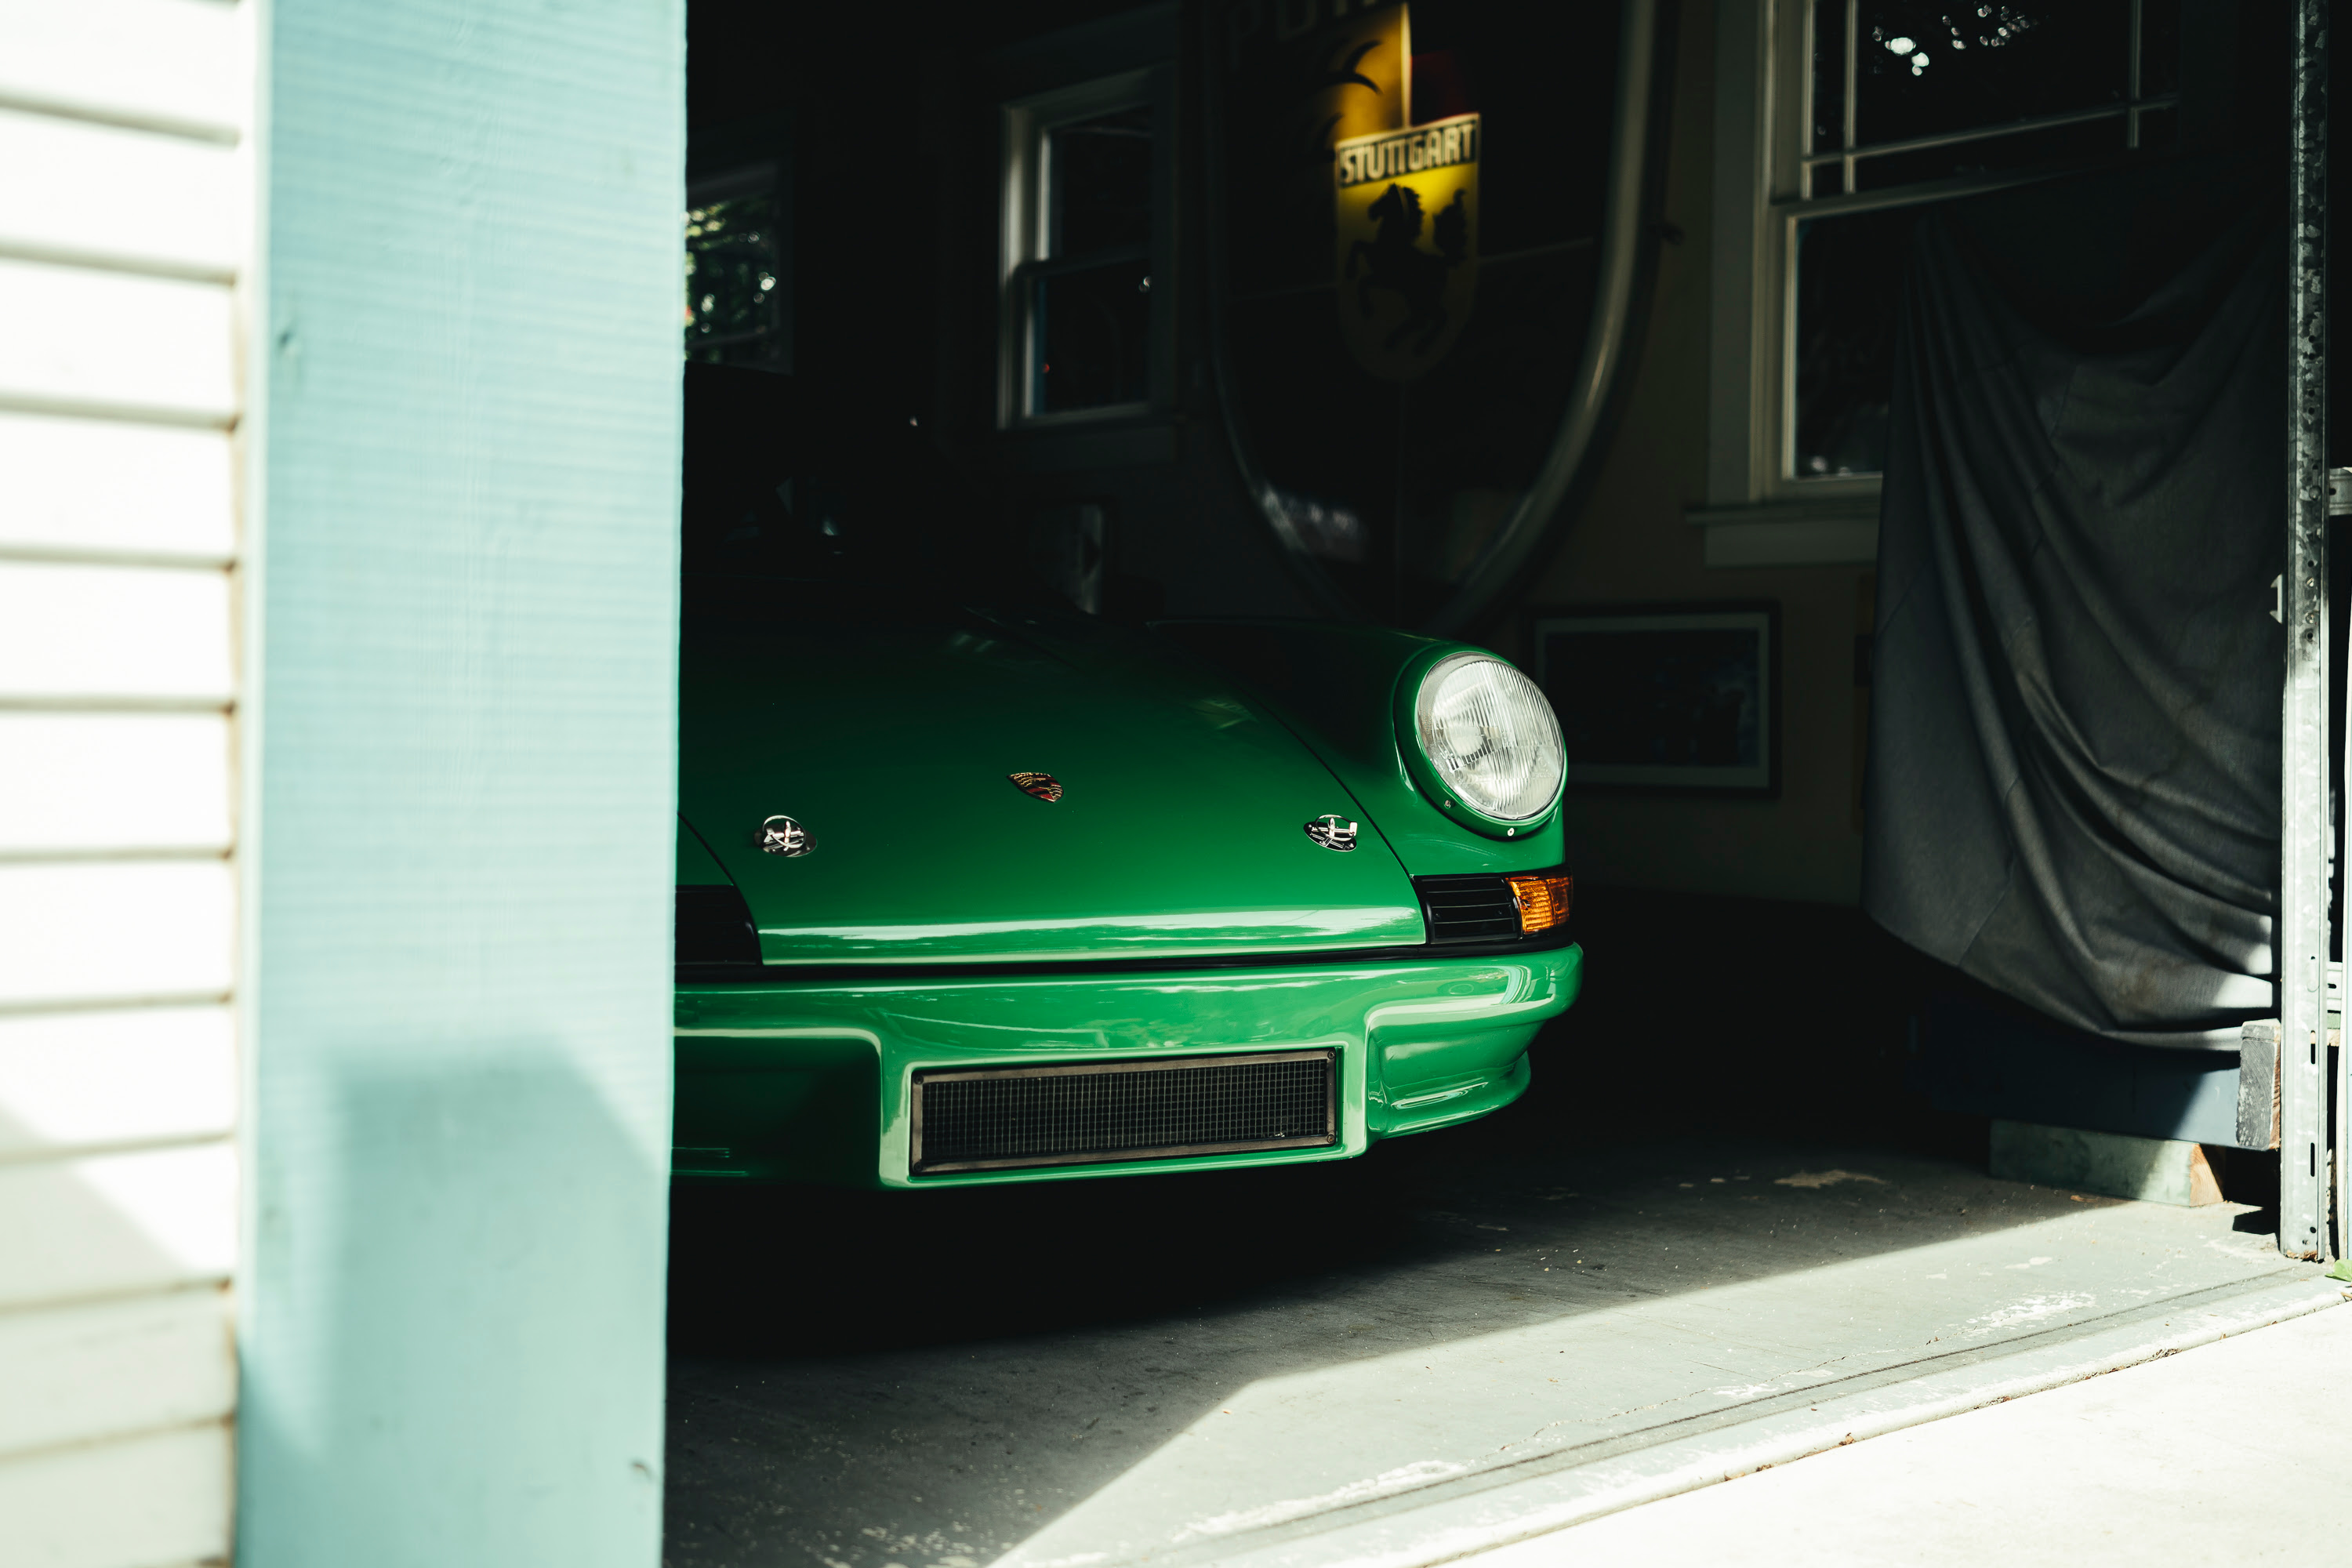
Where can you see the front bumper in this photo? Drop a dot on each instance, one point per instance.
(809, 1079)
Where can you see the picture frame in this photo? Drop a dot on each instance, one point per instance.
(1682, 697)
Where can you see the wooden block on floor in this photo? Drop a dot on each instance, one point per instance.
(2258, 1101)
(2150, 1170)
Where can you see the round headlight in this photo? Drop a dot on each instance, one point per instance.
(1490, 735)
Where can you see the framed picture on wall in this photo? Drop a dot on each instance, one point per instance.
(1666, 697)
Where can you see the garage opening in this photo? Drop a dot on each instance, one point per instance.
(1300, 348)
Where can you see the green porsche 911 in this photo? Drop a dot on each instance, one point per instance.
(972, 887)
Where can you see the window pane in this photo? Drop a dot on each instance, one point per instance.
(1100, 173)
(1849, 280)
(732, 300)
(1992, 154)
(1829, 76)
(1925, 68)
(1092, 331)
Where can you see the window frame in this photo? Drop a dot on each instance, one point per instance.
(1764, 53)
(1024, 253)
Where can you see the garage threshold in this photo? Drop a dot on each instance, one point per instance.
(1441, 1522)
(1394, 1364)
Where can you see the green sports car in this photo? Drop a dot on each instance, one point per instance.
(972, 887)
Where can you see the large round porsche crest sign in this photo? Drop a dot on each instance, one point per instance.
(1423, 288)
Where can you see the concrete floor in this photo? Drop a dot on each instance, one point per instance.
(1200, 1368)
(2234, 1452)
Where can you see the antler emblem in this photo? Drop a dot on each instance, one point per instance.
(783, 835)
(1039, 786)
(1333, 832)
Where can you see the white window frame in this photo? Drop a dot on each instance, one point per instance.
(1757, 511)
(1025, 231)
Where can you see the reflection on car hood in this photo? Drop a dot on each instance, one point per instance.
(1180, 828)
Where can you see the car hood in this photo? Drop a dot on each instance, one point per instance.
(1181, 830)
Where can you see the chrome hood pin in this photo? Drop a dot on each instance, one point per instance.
(1038, 786)
(783, 835)
(1333, 832)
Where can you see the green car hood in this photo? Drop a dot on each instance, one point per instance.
(1181, 830)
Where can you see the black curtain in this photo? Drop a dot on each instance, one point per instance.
(2073, 779)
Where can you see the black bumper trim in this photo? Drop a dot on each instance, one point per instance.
(748, 976)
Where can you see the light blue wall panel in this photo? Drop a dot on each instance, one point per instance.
(460, 791)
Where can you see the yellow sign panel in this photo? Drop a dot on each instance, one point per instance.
(1408, 254)
(1351, 72)
(1363, 64)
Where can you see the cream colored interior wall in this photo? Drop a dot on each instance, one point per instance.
(1629, 544)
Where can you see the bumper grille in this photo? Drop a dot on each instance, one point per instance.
(1088, 1113)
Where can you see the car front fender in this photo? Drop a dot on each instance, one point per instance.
(1335, 685)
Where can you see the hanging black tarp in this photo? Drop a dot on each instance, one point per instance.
(2073, 778)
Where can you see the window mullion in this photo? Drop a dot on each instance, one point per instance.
(1808, 52)
(1048, 199)
(2131, 124)
(1853, 56)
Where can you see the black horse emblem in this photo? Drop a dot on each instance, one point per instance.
(1394, 259)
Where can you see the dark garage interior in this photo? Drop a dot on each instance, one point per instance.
(1767, 1106)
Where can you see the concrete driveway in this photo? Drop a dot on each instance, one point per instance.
(1348, 1362)
(2233, 1452)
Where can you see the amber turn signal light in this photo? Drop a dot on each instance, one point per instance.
(1543, 901)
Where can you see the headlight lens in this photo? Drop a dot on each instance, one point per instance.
(1490, 734)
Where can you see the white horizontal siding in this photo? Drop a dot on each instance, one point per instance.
(161, 1500)
(97, 487)
(80, 1081)
(77, 933)
(75, 338)
(114, 1224)
(114, 783)
(113, 633)
(124, 225)
(116, 197)
(115, 1369)
(177, 65)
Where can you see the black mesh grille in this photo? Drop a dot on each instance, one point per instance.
(1467, 909)
(714, 926)
(1122, 1110)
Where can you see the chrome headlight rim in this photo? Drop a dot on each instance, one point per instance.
(1411, 680)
